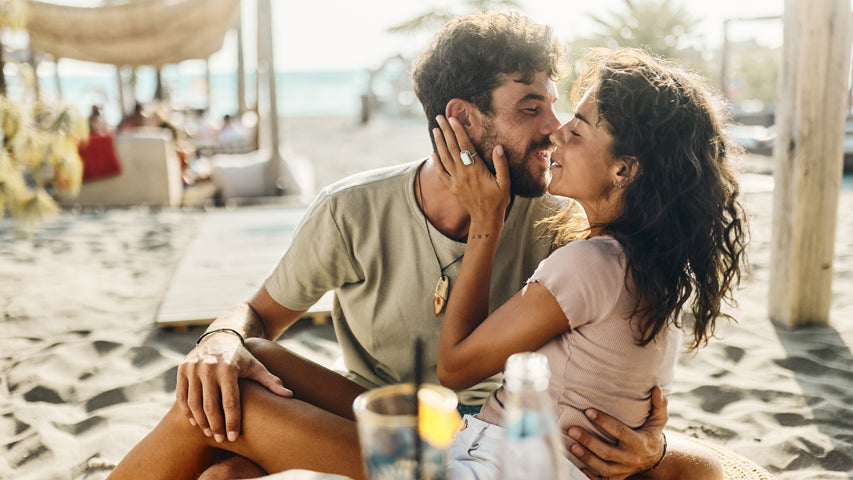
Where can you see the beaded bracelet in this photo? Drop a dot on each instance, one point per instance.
(661, 456)
(229, 330)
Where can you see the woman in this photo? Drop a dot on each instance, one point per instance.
(647, 159)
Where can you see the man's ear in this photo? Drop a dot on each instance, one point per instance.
(467, 114)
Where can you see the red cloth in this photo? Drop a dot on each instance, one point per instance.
(99, 158)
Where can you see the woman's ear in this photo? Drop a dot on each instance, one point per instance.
(627, 170)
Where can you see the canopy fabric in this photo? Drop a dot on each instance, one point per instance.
(147, 32)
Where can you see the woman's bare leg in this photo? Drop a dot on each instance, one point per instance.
(230, 466)
(686, 460)
(278, 433)
(309, 381)
(173, 450)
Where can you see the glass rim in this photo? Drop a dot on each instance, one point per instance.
(361, 410)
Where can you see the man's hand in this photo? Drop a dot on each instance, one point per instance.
(636, 450)
(207, 388)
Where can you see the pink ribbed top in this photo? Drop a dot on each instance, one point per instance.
(596, 363)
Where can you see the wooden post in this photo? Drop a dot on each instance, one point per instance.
(278, 180)
(724, 57)
(241, 68)
(122, 103)
(808, 155)
(31, 59)
(158, 89)
(58, 80)
(207, 84)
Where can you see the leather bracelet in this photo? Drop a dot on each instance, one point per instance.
(235, 332)
(661, 456)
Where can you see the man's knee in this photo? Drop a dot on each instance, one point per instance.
(234, 467)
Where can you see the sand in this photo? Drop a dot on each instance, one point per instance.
(85, 373)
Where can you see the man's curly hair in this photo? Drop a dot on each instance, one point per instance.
(471, 55)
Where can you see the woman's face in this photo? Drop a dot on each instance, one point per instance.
(582, 167)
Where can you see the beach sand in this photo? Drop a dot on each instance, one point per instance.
(86, 373)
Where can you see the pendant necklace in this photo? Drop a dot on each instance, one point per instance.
(442, 287)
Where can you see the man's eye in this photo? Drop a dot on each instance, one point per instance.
(531, 110)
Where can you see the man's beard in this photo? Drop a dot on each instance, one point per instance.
(522, 182)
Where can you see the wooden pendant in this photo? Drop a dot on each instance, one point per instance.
(440, 298)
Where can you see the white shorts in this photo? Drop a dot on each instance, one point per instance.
(476, 450)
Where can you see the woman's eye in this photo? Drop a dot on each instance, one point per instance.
(575, 133)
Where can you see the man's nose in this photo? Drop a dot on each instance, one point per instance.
(551, 123)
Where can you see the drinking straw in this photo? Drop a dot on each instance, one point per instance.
(419, 363)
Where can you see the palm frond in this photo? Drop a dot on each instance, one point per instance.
(428, 21)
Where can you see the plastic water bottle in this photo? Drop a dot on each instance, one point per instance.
(533, 448)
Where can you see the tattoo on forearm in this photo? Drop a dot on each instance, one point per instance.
(479, 235)
(256, 327)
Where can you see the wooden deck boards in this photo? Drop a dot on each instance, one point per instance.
(230, 257)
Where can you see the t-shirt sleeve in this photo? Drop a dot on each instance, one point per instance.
(317, 260)
(585, 277)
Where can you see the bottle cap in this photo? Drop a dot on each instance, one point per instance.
(529, 368)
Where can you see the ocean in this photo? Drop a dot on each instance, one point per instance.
(299, 93)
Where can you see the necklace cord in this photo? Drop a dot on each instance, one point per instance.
(426, 224)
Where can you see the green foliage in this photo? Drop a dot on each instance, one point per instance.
(753, 74)
(39, 154)
(657, 26)
(39, 142)
(13, 13)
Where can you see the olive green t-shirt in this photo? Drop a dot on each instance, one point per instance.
(365, 238)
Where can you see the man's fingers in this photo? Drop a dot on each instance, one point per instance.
(589, 474)
(231, 409)
(590, 443)
(211, 404)
(615, 428)
(659, 414)
(260, 374)
(181, 387)
(194, 402)
(597, 466)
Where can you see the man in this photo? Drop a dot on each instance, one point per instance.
(389, 243)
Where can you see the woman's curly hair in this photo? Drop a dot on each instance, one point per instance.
(682, 228)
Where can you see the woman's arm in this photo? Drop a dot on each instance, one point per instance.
(473, 347)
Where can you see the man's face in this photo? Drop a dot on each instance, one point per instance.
(522, 119)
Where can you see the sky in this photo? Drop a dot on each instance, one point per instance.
(313, 35)
(345, 33)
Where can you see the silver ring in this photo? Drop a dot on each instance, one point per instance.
(467, 157)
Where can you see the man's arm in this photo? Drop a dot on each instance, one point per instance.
(644, 452)
(207, 390)
(636, 451)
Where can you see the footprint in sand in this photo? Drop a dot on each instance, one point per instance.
(713, 398)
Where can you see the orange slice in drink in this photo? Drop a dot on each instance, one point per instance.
(437, 417)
